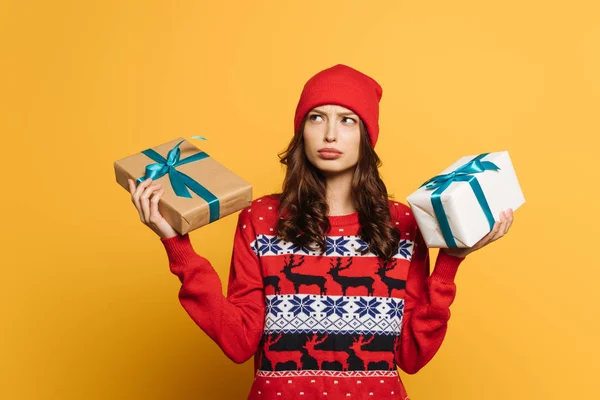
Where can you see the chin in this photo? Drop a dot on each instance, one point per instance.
(330, 168)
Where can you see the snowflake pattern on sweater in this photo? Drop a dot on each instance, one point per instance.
(333, 325)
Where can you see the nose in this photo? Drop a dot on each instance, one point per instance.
(331, 132)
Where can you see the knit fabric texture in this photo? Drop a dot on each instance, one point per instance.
(332, 325)
(345, 86)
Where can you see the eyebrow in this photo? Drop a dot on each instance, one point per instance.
(341, 113)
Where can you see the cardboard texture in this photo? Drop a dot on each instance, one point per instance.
(186, 214)
(465, 215)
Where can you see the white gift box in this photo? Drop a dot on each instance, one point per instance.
(463, 216)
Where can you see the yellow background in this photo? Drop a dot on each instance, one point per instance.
(89, 307)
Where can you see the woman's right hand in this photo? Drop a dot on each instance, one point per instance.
(145, 197)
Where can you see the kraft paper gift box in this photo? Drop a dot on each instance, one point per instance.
(197, 189)
(459, 206)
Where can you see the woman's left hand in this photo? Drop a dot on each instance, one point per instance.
(500, 229)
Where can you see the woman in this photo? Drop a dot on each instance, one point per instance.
(329, 286)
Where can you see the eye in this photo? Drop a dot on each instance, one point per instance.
(314, 115)
(351, 119)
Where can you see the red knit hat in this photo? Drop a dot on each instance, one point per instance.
(347, 87)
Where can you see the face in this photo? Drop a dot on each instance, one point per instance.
(336, 128)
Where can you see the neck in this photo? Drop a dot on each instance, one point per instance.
(338, 193)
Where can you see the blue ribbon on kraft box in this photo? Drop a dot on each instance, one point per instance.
(180, 182)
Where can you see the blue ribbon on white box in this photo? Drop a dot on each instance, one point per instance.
(180, 182)
(461, 174)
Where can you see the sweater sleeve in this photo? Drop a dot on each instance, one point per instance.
(234, 322)
(427, 306)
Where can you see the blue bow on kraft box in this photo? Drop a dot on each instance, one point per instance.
(197, 189)
(459, 206)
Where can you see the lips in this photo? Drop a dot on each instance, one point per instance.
(329, 154)
(330, 151)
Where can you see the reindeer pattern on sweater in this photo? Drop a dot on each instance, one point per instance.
(332, 325)
(341, 311)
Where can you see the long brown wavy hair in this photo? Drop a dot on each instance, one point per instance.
(302, 216)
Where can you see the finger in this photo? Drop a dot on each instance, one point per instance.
(144, 199)
(510, 219)
(132, 187)
(141, 187)
(490, 236)
(506, 223)
(136, 196)
(501, 227)
(487, 238)
(133, 199)
(145, 203)
(154, 214)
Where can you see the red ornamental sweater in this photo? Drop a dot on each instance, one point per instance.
(333, 325)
